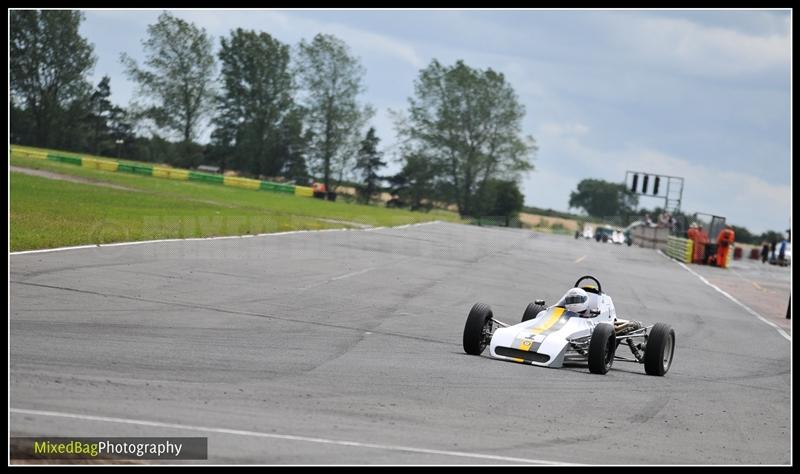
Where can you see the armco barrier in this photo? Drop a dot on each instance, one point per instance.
(73, 160)
(135, 169)
(170, 173)
(205, 177)
(650, 237)
(29, 154)
(160, 171)
(245, 183)
(145, 170)
(679, 248)
(303, 191)
(99, 164)
(277, 187)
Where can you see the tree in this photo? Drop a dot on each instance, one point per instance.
(772, 236)
(368, 163)
(109, 130)
(415, 184)
(603, 199)
(742, 234)
(469, 122)
(100, 110)
(293, 145)
(331, 79)
(48, 64)
(120, 129)
(501, 198)
(256, 101)
(178, 75)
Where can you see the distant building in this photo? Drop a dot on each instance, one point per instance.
(208, 168)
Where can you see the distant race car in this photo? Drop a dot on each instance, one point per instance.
(554, 335)
(603, 233)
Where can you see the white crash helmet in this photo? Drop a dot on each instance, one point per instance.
(576, 300)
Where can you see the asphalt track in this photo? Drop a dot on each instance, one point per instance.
(344, 347)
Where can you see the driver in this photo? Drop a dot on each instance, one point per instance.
(577, 301)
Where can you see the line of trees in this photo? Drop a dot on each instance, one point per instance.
(274, 111)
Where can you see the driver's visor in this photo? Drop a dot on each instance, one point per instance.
(575, 299)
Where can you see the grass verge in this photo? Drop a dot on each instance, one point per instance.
(47, 213)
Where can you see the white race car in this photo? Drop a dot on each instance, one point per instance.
(552, 336)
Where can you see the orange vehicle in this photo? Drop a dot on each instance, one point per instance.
(712, 239)
(319, 189)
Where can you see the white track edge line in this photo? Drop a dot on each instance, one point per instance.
(140, 242)
(727, 295)
(282, 436)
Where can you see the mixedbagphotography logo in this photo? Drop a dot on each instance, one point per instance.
(116, 448)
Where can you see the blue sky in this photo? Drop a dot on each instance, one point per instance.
(700, 94)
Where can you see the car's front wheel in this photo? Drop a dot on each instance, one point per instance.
(531, 311)
(478, 329)
(602, 347)
(659, 350)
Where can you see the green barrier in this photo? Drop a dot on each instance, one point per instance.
(125, 168)
(276, 187)
(145, 170)
(73, 160)
(206, 178)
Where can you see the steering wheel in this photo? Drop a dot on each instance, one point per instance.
(589, 277)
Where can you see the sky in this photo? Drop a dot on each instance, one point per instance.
(701, 94)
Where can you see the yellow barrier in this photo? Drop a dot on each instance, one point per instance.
(170, 173)
(28, 154)
(99, 164)
(242, 182)
(680, 249)
(303, 191)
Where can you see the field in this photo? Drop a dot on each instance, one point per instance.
(97, 206)
(544, 223)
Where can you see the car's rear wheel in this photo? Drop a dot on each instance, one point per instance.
(478, 329)
(531, 311)
(602, 347)
(659, 349)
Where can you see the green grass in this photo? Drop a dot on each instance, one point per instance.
(47, 213)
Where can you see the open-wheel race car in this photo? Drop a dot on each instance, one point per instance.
(581, 327)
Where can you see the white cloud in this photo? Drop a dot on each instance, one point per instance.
(680, 44)
(291, 28)
(551, 129)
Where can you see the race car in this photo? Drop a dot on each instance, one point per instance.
(581, 327)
